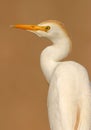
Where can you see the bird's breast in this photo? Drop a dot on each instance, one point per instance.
(54, 112)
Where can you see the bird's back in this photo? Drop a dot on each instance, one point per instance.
(69, 92)
(71, 77)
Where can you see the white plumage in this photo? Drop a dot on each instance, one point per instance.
(69, 95)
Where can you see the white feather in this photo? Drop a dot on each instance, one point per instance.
(69, 96)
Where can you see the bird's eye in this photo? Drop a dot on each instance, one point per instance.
(47, 28)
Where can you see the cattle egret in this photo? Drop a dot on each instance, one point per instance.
(69, 95)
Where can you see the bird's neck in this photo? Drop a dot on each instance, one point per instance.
(52, 55)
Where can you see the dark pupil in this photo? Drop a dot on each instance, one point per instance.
(48, 27)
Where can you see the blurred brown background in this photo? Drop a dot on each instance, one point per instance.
(23, 89)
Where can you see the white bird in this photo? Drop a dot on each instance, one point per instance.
(69, 95)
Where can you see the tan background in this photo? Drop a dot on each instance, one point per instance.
(23, 89)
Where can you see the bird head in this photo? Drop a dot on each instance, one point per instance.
(50, 29)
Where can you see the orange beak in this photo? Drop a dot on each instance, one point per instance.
(30, 27)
